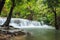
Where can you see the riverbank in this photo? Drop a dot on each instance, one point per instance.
(11, 34)
(9, 37)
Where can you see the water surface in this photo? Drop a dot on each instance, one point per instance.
(43, 34)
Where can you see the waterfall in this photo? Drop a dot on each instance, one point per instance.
(24, 23)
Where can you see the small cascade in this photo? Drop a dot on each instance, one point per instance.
(24, 23)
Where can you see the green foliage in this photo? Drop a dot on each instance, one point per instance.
(52, 6)
(41, 9)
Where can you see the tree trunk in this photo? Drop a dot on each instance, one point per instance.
(56, 26)
(30, 16)
(6, 24)
(2, 2)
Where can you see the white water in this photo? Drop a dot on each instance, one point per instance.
(24, 23)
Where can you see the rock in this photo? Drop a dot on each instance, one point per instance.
(7, 34)
(4, 37)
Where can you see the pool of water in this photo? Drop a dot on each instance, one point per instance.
(42, 34)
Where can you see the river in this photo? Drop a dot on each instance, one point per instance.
(43, 34)
(38, 31)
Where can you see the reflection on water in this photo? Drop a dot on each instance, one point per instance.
(57, 35)
(43, 34)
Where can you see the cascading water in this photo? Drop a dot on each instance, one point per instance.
(23, 23)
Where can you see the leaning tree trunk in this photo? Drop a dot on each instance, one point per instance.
(56, 26)
(6, 24)
(2, 2)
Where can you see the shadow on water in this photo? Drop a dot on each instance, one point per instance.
(29, 37)
(57, 34)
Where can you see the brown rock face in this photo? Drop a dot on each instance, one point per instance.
(4, 37)
(9, 35)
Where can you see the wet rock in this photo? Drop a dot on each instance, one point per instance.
(7, 34)
(4, 37)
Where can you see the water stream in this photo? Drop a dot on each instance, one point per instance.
(38, 31)
(24, 23)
